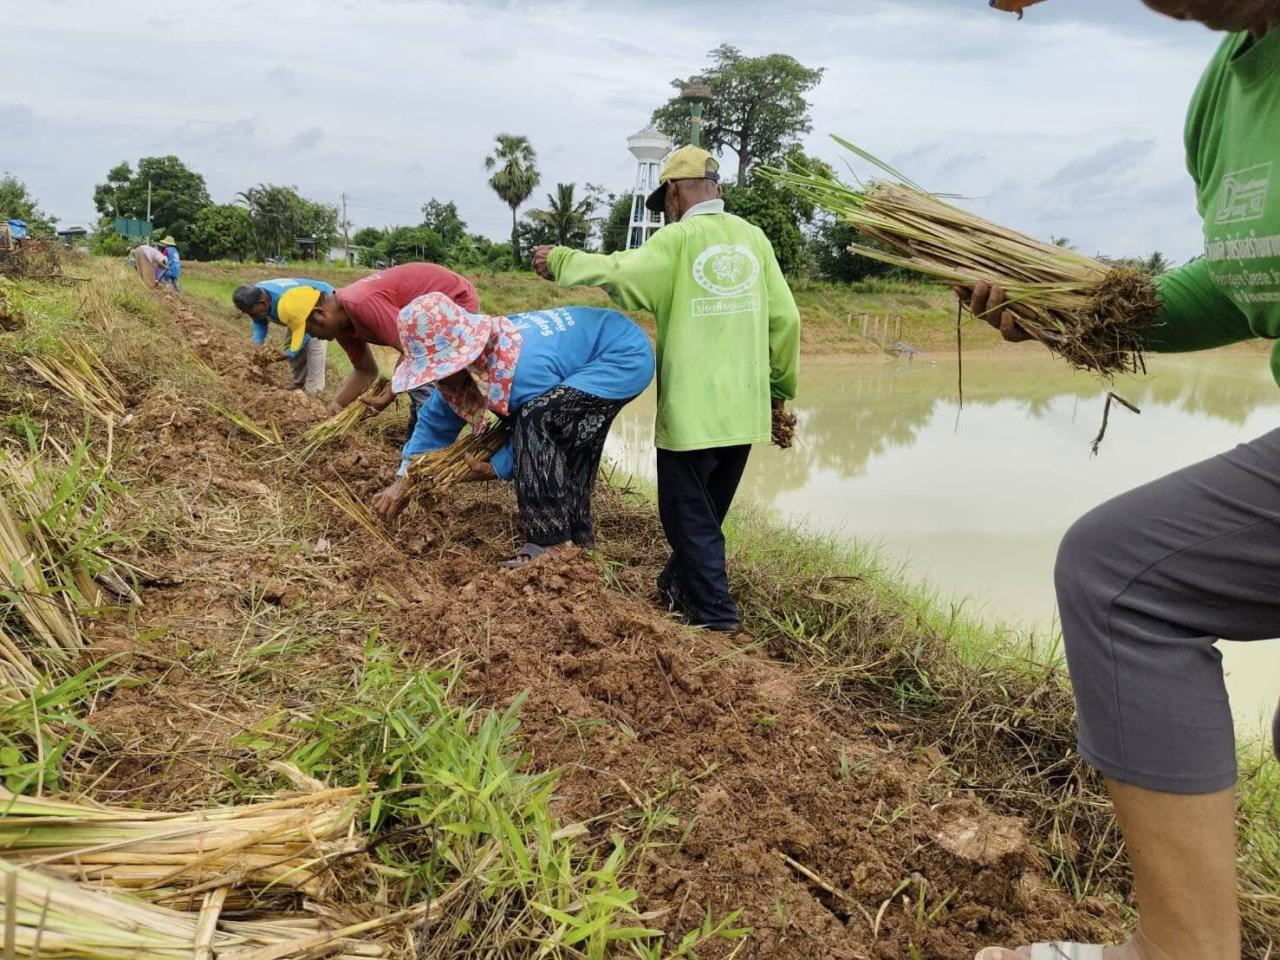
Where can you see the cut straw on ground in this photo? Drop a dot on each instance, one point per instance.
(1090, 313)
(176, 857)
(52, 917)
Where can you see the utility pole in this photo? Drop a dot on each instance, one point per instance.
(346, 240)
(148, 199)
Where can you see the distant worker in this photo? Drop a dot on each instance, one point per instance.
(306, 354)
(560, 375)
(728, 349)
(150, 262)
(365, 313)
(172, 263)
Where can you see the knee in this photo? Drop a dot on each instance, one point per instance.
(1078, 567)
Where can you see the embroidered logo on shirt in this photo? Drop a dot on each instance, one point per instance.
(726, 270)
(1243, 196)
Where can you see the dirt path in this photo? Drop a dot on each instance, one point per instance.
(834, 840)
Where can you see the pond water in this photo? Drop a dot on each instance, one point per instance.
(975, 500)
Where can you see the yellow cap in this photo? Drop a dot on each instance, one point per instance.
(687, 163)
(294, 307)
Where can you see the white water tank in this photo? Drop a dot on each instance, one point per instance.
(650, 147)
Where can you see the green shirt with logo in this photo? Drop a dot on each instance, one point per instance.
(1232, 293)
(728, 327)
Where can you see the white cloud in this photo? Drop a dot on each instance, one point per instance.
(396, 102)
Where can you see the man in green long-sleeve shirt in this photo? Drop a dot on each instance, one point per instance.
(728, 349)
(1148, 582)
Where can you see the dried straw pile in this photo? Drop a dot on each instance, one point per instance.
(1091, 313)
(47, 916)
(277, 847)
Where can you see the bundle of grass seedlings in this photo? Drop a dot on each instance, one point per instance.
(1090, 313)
(435, 472)
(265, 851)
(341, 423)
(47, 916)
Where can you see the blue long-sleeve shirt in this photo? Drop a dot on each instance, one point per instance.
(597, 351)
(275, 289)
(173, 263)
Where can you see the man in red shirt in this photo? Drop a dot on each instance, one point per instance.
(365, 312)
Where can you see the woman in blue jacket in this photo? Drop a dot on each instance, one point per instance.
(560, 376)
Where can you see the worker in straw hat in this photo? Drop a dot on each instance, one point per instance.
(305, 354)
(1149, 582)
(728, 349)
(560, 376)
(172, 263)
(364, 314)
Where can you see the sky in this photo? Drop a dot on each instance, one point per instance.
(1067, 124)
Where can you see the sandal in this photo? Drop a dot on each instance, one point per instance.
(1054, 951)
(526, 555)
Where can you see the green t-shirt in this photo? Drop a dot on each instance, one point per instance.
(728, 327)
(1233, 152)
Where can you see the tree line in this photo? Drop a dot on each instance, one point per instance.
(758, 112)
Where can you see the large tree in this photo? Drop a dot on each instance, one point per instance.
(616, 227)
(758, 107)
(515, 177)
(178, 194)
(443, 218)
(279, 216)
(221, 232)
(16, 202)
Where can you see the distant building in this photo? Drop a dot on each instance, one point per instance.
(650, 146)
(350, 255)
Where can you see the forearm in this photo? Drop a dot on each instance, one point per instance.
(357, 382)
(634, 279)
(1195, 313)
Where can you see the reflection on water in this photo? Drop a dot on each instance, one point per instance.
(976, 500)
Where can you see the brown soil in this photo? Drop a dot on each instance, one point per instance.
(835, 840)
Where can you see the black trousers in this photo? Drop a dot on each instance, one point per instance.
(558, 440)
(695, 491)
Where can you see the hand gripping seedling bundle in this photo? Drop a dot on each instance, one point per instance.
(1091, 313)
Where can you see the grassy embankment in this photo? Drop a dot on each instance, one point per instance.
(276, 627)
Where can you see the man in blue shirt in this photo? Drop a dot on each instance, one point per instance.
(306, 354)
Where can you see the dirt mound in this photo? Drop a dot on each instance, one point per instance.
(834, 839)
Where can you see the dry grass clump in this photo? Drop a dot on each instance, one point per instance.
(437, 471)
(82, 377)
(341, 423)
(1092, 314)
(52, 537)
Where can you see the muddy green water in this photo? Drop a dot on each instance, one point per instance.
(975, 501)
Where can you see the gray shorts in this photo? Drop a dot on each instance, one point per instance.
(308, 367)
(1147, 583)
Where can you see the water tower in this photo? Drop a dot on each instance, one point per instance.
(649, 147)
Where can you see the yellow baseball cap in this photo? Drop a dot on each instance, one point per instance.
(293, 308)
(687, 163)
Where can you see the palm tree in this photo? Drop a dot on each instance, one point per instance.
(568, 218)
(1156, 264)
(515, 177)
